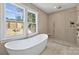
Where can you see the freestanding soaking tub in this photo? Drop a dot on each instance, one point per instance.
(31, 46)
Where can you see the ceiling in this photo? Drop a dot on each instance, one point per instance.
(53, 7)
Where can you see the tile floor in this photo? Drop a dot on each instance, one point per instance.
(56, 48)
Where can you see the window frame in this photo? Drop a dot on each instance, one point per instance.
(36, 15)
(4, 37)
(3, 23)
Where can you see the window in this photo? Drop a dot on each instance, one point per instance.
(32, 23)
(14, 23)
(14, 20)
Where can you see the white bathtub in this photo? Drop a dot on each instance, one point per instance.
(31, 46)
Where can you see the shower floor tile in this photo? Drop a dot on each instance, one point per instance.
(54, 48)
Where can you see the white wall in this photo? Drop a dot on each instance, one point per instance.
(77, 13)
(0, 21)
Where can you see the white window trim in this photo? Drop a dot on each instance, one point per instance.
(4, 37)
(36, 13)
(26, 10)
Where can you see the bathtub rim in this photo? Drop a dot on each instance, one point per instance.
(6, 46)
(25, 48)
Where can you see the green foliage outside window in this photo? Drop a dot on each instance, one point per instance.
(31, 19)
